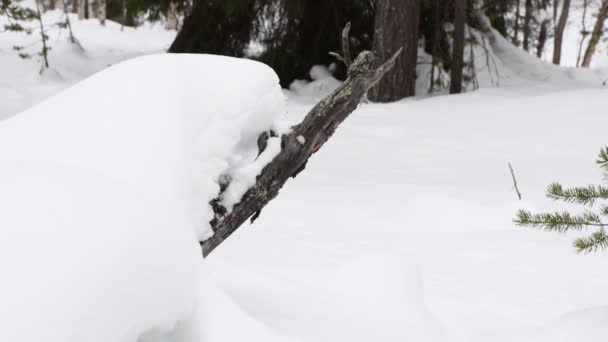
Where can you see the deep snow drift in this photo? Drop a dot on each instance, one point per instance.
(106, 190)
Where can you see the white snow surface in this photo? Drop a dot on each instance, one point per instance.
(169, 133)
(400, 228)
(106, 190)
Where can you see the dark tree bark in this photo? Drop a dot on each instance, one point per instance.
(527, 22)
(396, 26)
(210, 28)
(515, 39)
(579, 54)
(458, 51)
(559, 32)
(598, 28)
(316, 128)
(542, 35)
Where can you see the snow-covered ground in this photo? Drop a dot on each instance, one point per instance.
(399, 229)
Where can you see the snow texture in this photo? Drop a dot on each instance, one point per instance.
(106, 190)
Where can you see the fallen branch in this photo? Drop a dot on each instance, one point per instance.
(515, 182)
(304, 139)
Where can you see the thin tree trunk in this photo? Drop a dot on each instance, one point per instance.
(68, 23)
(542, 35)
(396, 27)
(171, 23)
(559, 32)
(458, 48)
(515, 39)
(43, 36)
(80, 8)
(102, 11)
(584, 34)
(598, 28)
(527, 22)
(92, 9)
(436, 37)
(555, 6)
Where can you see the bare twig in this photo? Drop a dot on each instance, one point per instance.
(337, 56)
(346, 45)
(514, 182)
(43, 36)
(383, 69)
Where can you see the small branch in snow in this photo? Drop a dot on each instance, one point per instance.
(514, 182)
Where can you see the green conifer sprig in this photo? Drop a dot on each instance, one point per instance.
(597, 240)
(557, 222)
(595, 216)
(582, 195)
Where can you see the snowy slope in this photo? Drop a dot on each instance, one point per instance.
(22, 85)
(426, 184)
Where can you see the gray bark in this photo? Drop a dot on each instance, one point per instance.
(316, 128)
(101, 11)
(458, 48)
(559, 32)
(171, 23)
(527, 22)
(80, 8)
(598, 29)
(396, 27)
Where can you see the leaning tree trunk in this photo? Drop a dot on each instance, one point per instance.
(559, 32)
(458, 48)
(396, 27)
(598, 29)
(304, 139)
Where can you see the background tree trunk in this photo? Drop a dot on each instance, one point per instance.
(542, 35)
(527, 22)
(458, 48)
(80, 8)
(559, 32)
(101, 11)
(515, 39)
(584, 32)
(598, 29)
(171, 23)
(396, 26)
(92, 4)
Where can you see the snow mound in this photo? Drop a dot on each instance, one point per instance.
(322, 83)
(105, 192)
(183, 120)
(84, 258)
